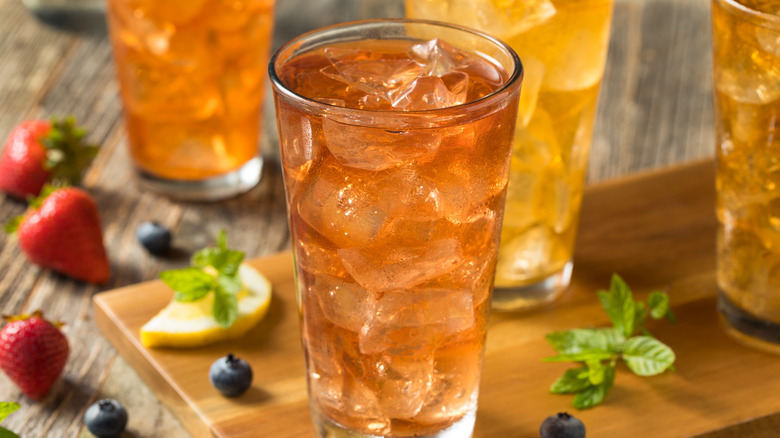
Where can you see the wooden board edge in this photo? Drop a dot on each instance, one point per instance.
(694, 166)
(124, 343)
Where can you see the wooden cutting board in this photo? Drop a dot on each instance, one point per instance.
(656, 230)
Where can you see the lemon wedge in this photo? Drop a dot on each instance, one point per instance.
(191, 324)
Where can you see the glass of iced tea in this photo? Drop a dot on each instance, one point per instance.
(746, 59)
(395, 140)
(563, 47)
(192, 78)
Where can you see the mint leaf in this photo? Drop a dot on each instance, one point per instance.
(659, 306)
(225, 307)
(581, 356)
(594, 394)
(578, 340)
(229, 284)
(203, 257)
(223, 259)
(5, 433)
(573, 380)
(190, 284)
(640, 317)
(619, 305)
(647, 356)
(222, 239)
(227, 261)
(644, 355)
(596, 371)
(7, 408)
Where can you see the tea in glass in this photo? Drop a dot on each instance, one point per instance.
(191, 76)
(395, 153)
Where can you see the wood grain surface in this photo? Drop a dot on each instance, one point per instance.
(655, 110)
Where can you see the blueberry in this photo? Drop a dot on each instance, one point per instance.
(230, 375)
(155, 237)
(562, 425)
(106, 418)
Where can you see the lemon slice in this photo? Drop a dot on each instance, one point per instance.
(192, 324)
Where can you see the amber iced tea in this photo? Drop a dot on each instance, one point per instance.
(395, 166)
(563, 47)
(746, 37)
(191, 74)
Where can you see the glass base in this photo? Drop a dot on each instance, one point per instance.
(463, 428)
(747, 329)
(533, 295)
(212, 189)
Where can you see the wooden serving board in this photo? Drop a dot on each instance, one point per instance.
(656, 230)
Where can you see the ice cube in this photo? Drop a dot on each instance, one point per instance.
(296, 137)
(314, 253)
(430, 92)
(416, 320)
(341, 205)
(748, 85)
(769, 39)
(402, 383)
(375, 149)
(529, 253)
(360, 402)
(533, 75)
(511, 17)
(408, 195)
(438, 57)
(363, 70)
(382, 268)
(556, 199)
(467, 185)
(242, 92)
(454, 385)
(343, 303)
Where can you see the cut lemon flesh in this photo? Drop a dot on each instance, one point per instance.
(192, 324)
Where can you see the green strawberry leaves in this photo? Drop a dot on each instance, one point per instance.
(6, 409)
(598, 350)
(67, 154)
(214, 270)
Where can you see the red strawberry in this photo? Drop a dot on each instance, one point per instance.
(39, 151)
(33, 353)
(61, 230)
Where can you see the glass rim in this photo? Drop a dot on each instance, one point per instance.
(281, 88)
(754, 14)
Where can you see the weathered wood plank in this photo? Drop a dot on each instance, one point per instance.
(655, 107)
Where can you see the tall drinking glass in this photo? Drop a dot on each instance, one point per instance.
(746, 59)
(395, 141)
(192, 79)
(563, 46)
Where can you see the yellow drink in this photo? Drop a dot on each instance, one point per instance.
(747, 104)
(563, 47)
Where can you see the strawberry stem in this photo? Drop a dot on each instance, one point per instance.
(67, 154)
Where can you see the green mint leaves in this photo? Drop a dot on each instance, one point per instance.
(214, 270)
(600, 349)
(6, 409)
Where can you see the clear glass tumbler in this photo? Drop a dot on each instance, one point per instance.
(563, 46)
(395, 140)
(192, 78)
(746, 60)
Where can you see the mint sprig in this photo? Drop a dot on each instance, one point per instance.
(598, 350)
(214, 270)
(6, 409)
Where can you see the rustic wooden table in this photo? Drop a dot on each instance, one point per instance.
(655, 111)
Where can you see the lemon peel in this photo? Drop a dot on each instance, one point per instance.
(192, 324)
